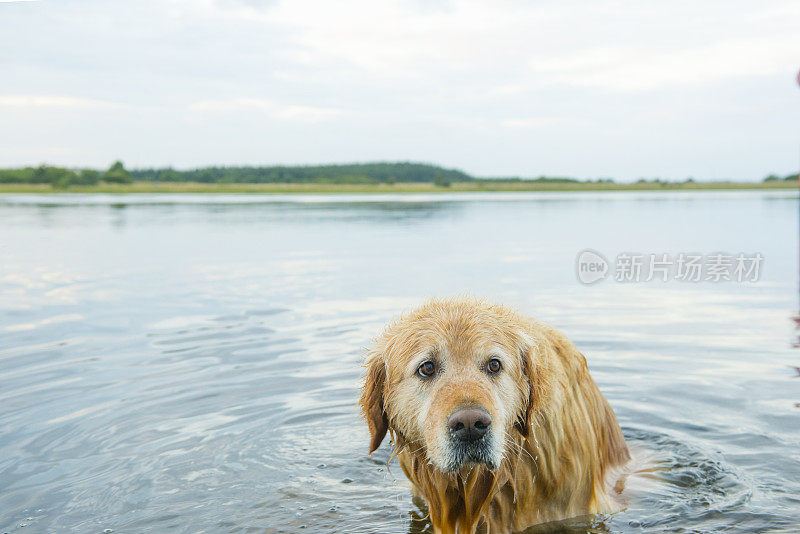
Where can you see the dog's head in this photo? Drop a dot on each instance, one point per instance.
(453, 380)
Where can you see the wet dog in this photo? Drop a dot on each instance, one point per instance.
(493, 416)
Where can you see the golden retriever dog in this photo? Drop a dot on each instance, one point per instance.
(493, 416)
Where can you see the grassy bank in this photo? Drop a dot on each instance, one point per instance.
(196, 187)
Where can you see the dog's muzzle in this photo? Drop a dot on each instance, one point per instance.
(469, 438)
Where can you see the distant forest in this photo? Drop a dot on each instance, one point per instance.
(356, 173)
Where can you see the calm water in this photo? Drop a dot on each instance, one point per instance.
(191, 362)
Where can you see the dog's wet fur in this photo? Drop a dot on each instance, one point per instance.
(549, 446)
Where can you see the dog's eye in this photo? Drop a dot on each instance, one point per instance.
(426, 370)
(494, 366)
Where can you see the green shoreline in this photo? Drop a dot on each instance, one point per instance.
(455, 187)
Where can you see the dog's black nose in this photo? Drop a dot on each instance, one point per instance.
(469, 424)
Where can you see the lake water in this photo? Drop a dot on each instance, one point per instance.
(191, 362)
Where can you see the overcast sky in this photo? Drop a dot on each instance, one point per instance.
(587, 89)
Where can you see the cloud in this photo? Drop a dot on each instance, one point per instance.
(627, 68)
(38, 101)
(511, 87)
(533, 122)
(308, 113)
(583, 44)
(279, 111)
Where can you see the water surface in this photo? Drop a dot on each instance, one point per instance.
(191, 362)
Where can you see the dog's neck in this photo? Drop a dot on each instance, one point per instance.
(458, 502)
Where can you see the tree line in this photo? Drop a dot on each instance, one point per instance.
(355, 173)
(61, 178)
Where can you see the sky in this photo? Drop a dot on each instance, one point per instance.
(592, 89)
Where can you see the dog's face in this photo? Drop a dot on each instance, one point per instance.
(452, 380)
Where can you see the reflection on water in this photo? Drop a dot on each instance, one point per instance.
(192, 362)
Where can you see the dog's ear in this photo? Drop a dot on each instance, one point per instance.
(524, 422)
(532, 385)
(372, 394)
